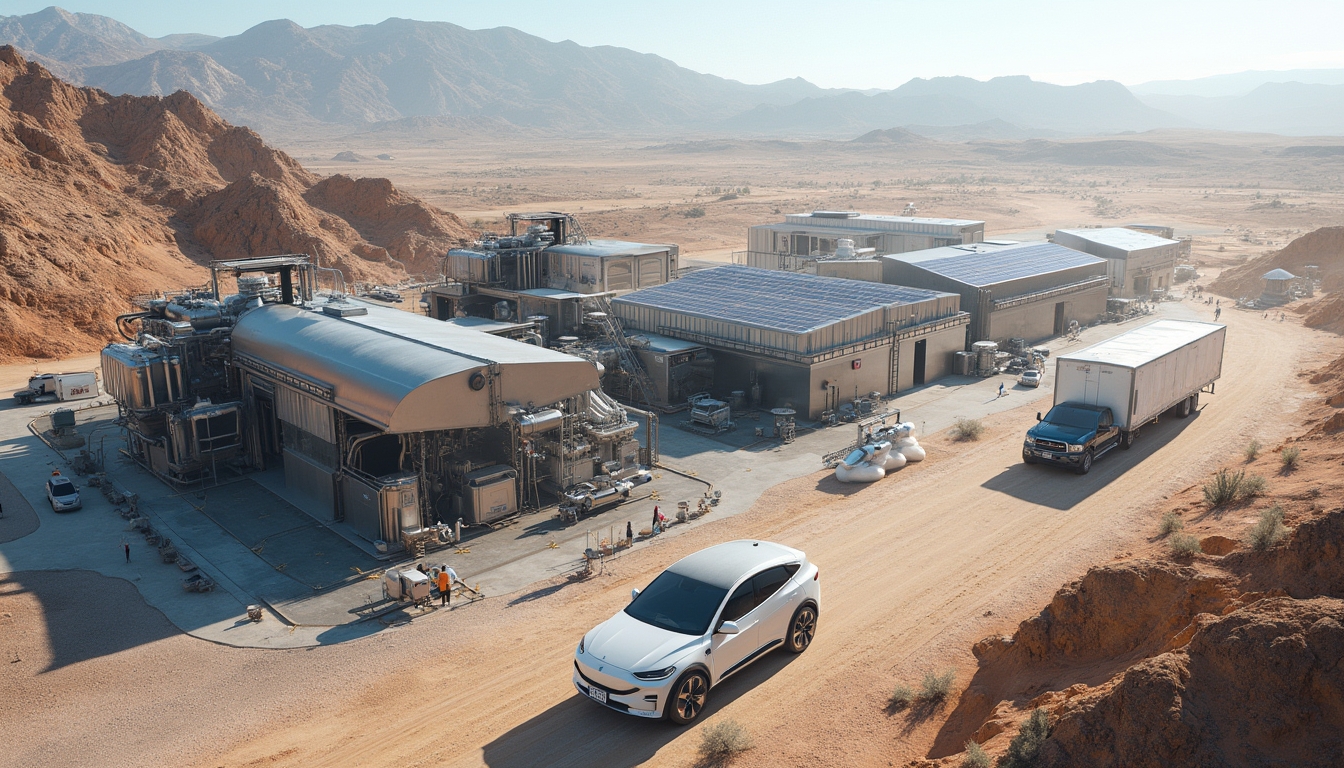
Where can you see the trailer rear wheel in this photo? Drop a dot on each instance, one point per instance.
(1184, 408)
(1127, 438)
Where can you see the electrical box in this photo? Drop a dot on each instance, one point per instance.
(492, 495)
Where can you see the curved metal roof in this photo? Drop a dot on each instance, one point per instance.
(403, 372)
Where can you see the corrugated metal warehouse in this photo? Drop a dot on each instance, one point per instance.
(804, 235)
(1137, 263)
(1030, 291)
(811, 342)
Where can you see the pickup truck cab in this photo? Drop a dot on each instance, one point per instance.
(1071, 435)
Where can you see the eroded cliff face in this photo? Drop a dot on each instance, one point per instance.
(107, 197)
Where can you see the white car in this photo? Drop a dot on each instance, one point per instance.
(1030, 378)
(706, 617)
(62, 494)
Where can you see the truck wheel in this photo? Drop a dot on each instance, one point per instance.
(1184, 408)
(1085, 465)
(1127, 438)
(1027, 459)
(1194, 402)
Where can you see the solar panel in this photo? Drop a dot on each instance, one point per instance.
(1012, 263)
(773, 300)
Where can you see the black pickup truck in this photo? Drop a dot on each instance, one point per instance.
(1071, 435)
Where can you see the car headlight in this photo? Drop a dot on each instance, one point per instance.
(657, 674)
(1031, 440)
(581, 639)
(1076, 448)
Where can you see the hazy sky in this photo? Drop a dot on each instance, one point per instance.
(843, 43)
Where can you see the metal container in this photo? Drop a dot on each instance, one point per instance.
(984, 356)
(541, 421)
(491, 494)
(965, 363)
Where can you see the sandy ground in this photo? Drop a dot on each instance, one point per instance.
(914, 570)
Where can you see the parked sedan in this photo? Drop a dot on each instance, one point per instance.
(62, 494)
(1030, 378)
(706, 617)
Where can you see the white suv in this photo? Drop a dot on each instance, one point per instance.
(709, 615)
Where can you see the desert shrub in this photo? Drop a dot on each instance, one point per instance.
(975, 757)
(1252, 450)
(1252, 485)
(1269, 530)
(902, 696)
(967, 429)
(1025, 749)
(1171, 523)
(1289, 456)
(1224, 487)
(1183, 545)
(695, 213)
(935, 687)
(723, 740)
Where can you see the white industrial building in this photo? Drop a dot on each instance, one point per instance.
(1139, 264)
(806, 342)
(805, 237)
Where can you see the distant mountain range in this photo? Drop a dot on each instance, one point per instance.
(400, 73)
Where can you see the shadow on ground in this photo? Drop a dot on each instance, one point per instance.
(578, 732)
(87, 615)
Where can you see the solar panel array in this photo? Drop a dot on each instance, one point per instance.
(779, 301)
(1012, 263)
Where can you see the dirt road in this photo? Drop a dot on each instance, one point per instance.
(914, 569)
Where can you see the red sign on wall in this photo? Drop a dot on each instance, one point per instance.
(856, 365)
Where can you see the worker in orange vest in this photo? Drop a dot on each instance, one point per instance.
(445, 587)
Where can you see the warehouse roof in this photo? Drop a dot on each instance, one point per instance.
(609, 248)
(1145, 343)
(1121, 238)
(833, 218)
(403, 372)
(983, 265)
(773, 300)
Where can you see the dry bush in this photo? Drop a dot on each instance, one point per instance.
(1251, 486)
(1183, 545)
(1289, 456)
(1252, 450)
(975, 757)
(935, 687)
(901, 697)
(1171, 523)
(1269, 531)
(967, 429)
(1024, 751)
(723, 741)
(1224, 488)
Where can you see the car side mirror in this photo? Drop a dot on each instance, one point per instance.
(727, 628)
(1038, 415)
(634, 593)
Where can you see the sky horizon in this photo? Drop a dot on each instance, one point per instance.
(842, 45)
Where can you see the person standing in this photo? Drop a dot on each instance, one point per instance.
(126, 545)
(657, 516)
(1000, 389)
(1217, 312)
(445, 587)
(629, 532)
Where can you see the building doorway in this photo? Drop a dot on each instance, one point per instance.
(1059, 318)
(921, 358)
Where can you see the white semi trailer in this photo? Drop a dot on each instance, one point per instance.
(1105, 393)
(59, 387)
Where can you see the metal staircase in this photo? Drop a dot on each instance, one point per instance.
(641, 386)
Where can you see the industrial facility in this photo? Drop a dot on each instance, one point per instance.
(1028, 291)
(804, 238)
(784, 339)
(397, 425)
(1139, 264)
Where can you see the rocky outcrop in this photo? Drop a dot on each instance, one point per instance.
(1261, 686)
(106, 197)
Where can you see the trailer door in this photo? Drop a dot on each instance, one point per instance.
(1091, 383)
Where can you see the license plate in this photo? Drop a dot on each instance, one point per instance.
(597, 694)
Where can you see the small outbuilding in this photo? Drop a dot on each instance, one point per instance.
(1279, 284)
(1030, 291)
(803, 341)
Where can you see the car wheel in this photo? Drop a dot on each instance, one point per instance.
(688, 698)
(802, 629)
(1085, 465)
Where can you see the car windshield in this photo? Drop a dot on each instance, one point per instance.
(677, 603)
(1078, 418)
(62, 489)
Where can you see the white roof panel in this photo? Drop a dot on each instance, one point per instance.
(1145, 343)
(1122, 238)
